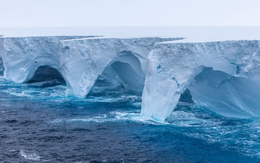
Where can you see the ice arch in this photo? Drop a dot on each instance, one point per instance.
(124, 73)
(128, 68)
(47, 74)
(227, 95)
(24, 55)
(83, 60)
(172, 67)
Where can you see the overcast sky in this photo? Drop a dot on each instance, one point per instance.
(82, 13)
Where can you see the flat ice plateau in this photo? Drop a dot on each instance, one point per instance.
(218, 66)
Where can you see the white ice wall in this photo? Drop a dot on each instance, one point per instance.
(23, 55)
(222, 76)
(173, 66)
(83, 60)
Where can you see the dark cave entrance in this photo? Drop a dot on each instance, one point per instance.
(47, 76)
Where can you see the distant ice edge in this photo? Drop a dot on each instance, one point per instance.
(221, 76)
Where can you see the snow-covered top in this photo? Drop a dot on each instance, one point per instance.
(242, 53)
(41, 37)
(123, 38)
(193, 41)
(182, 42)
(117, 42)
(141, 45)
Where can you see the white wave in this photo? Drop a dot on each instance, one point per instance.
(113, 99)
(57, 91)
(3, 111)
(29, 155)
(102, 99)
(22, 94)
(40, 84)
(16, 92)
(99, 118)
(113, 117)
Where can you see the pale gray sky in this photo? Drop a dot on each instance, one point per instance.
(82, 13)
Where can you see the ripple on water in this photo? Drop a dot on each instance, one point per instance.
(65, 115)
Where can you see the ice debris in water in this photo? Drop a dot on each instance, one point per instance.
(29, 155)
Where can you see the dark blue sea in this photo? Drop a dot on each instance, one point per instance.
(38, 123)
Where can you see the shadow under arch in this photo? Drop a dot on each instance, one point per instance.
(124, 72)
(47, 76)
(230, 96)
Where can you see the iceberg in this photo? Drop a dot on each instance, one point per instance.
(84, 60)
(24, 55)
(221, 76)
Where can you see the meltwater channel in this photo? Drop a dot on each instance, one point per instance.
(40, 124)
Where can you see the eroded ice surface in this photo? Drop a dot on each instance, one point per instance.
(229, 88)
(83, 60)
(23, 55)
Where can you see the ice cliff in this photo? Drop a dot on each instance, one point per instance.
(24, 55)
(84, 60)
(222, 76)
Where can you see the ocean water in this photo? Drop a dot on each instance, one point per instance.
(40, 124)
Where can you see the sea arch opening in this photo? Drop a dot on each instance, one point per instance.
(123, 73)
(47, 76)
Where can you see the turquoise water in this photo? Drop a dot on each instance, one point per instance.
(41, 124)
